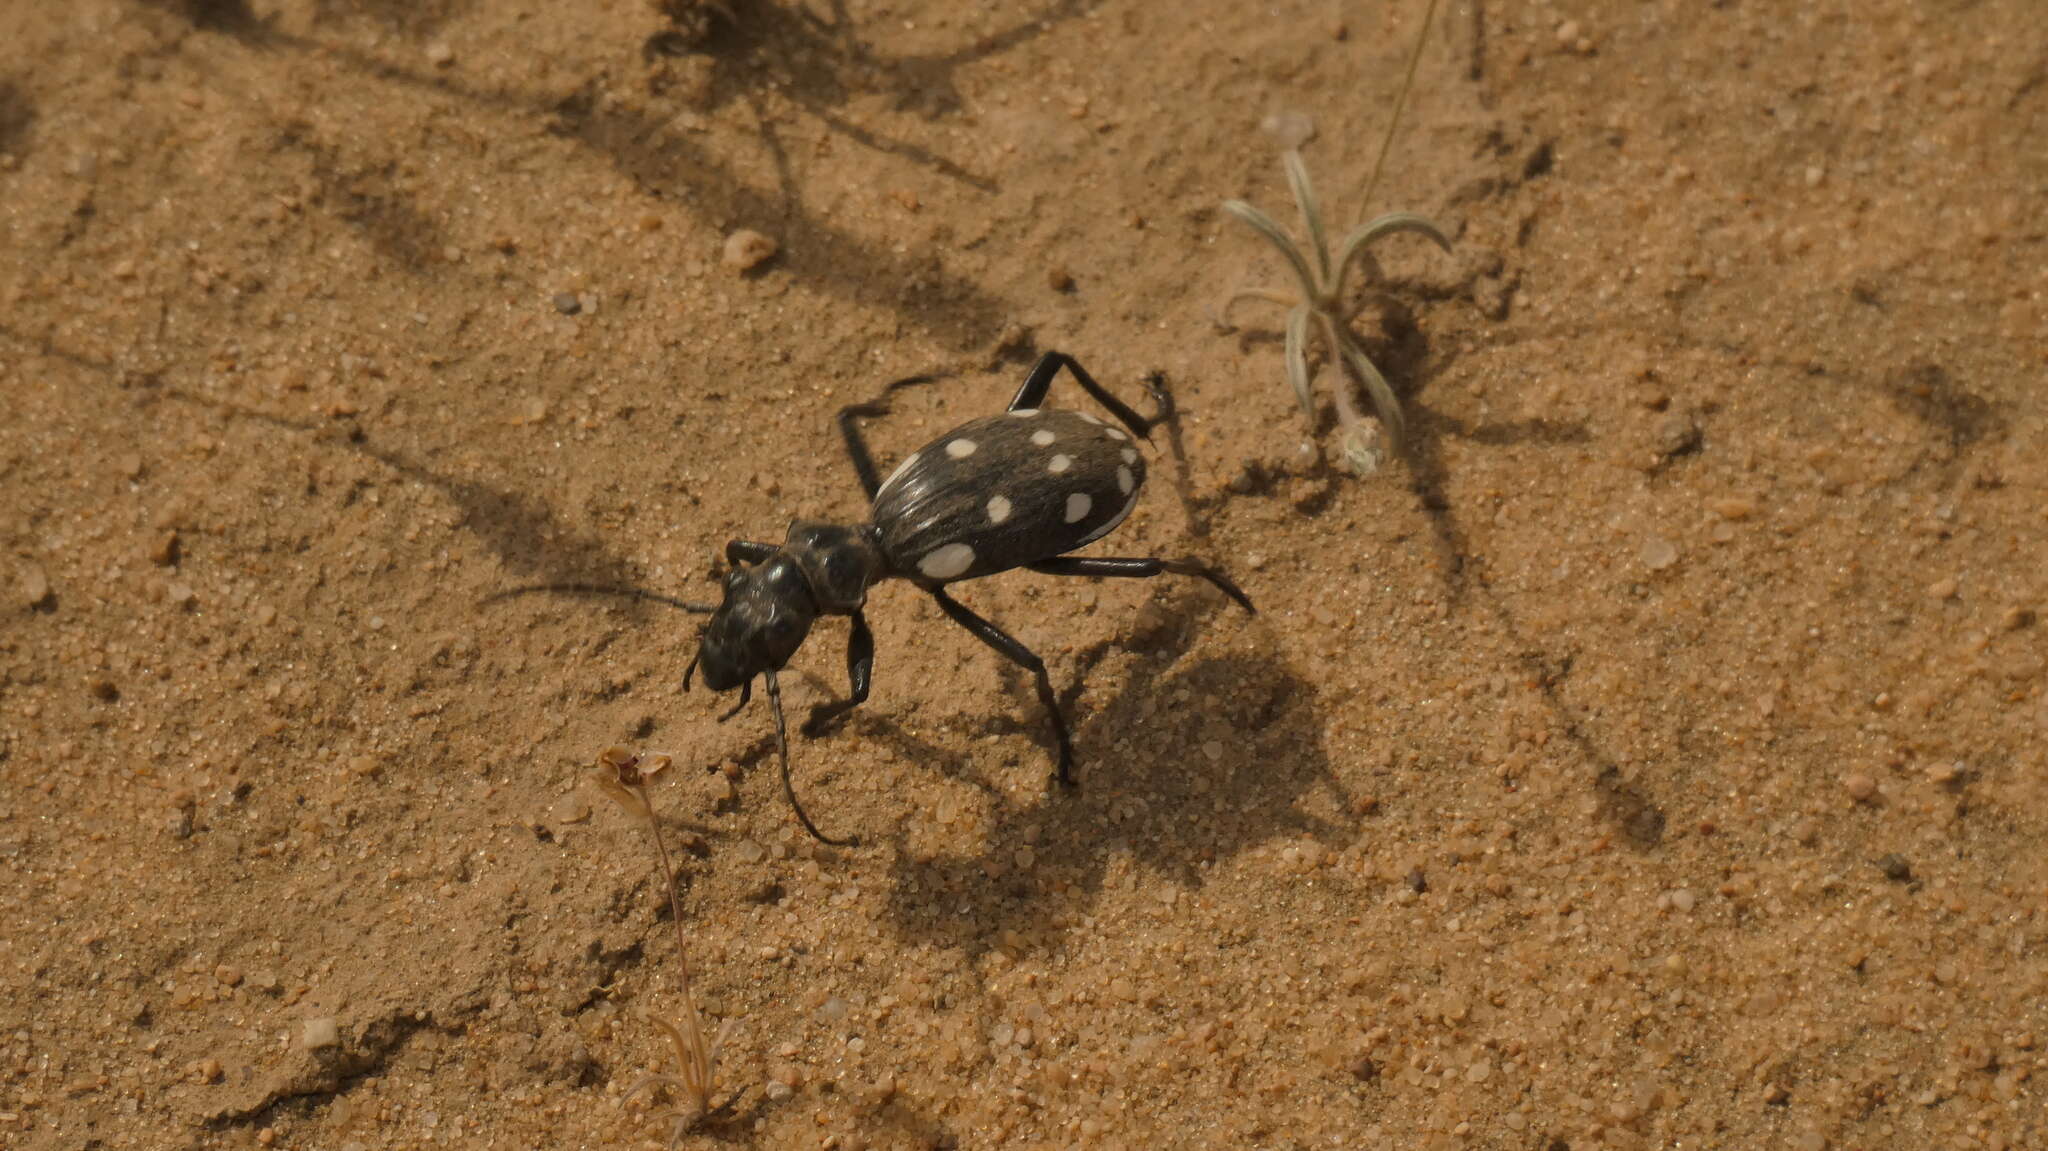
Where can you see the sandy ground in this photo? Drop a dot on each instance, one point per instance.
(1656, 759)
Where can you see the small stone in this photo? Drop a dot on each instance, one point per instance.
(1568, 33)
(1734, 508)
(131, 465)
(532, 410)
(165, 553)
(1213, 751)
(209, 1070)
(35, 586)
(365, 765)
(1896, 868)
(103, 689)
(228, 975)
(1059, 279)
(746, 250)
(319, 1034)
(265, 615)
(571, 808)
(567, 303)
(1860, 786)
(263, 979)
(1684, 900)
(832, 1010)
(1943, 588)
(750, 852)
(180, 595)
(440, 55)
(1814, 175)
(1659, 553)
(2016, 617)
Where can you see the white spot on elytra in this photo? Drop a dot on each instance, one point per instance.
(1060, 464)
(1114, 434)
(1109, 525)
(1089, 418)
(998, 509)
(961, 449)
(900, 469)
(1124, 480)
(1025, 412)
(1130, 455)
(1042, 437)
(946, 562)
(1077, 507)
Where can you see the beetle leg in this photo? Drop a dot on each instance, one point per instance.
(738, 552)
(1023, 657)
(746, 693)
(1032, 394)
(857, 445)
(860, 671)
(1142, 569)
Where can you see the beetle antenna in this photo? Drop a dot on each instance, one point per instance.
(603, 589)
(789, 789)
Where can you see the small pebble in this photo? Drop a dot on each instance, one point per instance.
(440, 55)
(1896, 868)
(1734, 508)
(747, 249)
(750, 852)
(1659, 553)
(35, 585)
(1683, 899)
(567, 303)
(180, 595)
(320, 1033)
(165, 553)
(1059, 279)
(1860, 786)
(1943, 588)
(228, 974)
(571, 808)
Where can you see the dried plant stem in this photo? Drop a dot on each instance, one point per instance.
(620, 777)
(1393, 121)
(675, 896)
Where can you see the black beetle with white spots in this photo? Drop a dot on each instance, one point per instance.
(1016, 490)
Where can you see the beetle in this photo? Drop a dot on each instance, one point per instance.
(1020, 489)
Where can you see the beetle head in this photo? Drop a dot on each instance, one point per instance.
(764, 618)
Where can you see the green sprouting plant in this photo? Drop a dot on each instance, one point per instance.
(1322, 300)
(622, 776)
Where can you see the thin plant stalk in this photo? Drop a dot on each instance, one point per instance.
(620, 777)
(1394, 121)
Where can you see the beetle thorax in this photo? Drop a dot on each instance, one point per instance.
(839, 562)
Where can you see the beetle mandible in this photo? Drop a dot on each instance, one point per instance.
(1016, 490)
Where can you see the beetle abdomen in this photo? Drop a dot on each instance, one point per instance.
(1005, 491)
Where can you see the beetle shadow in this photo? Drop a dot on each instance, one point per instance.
(522, 531)
(753, 60)
(17, 117)
(1149, 789)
